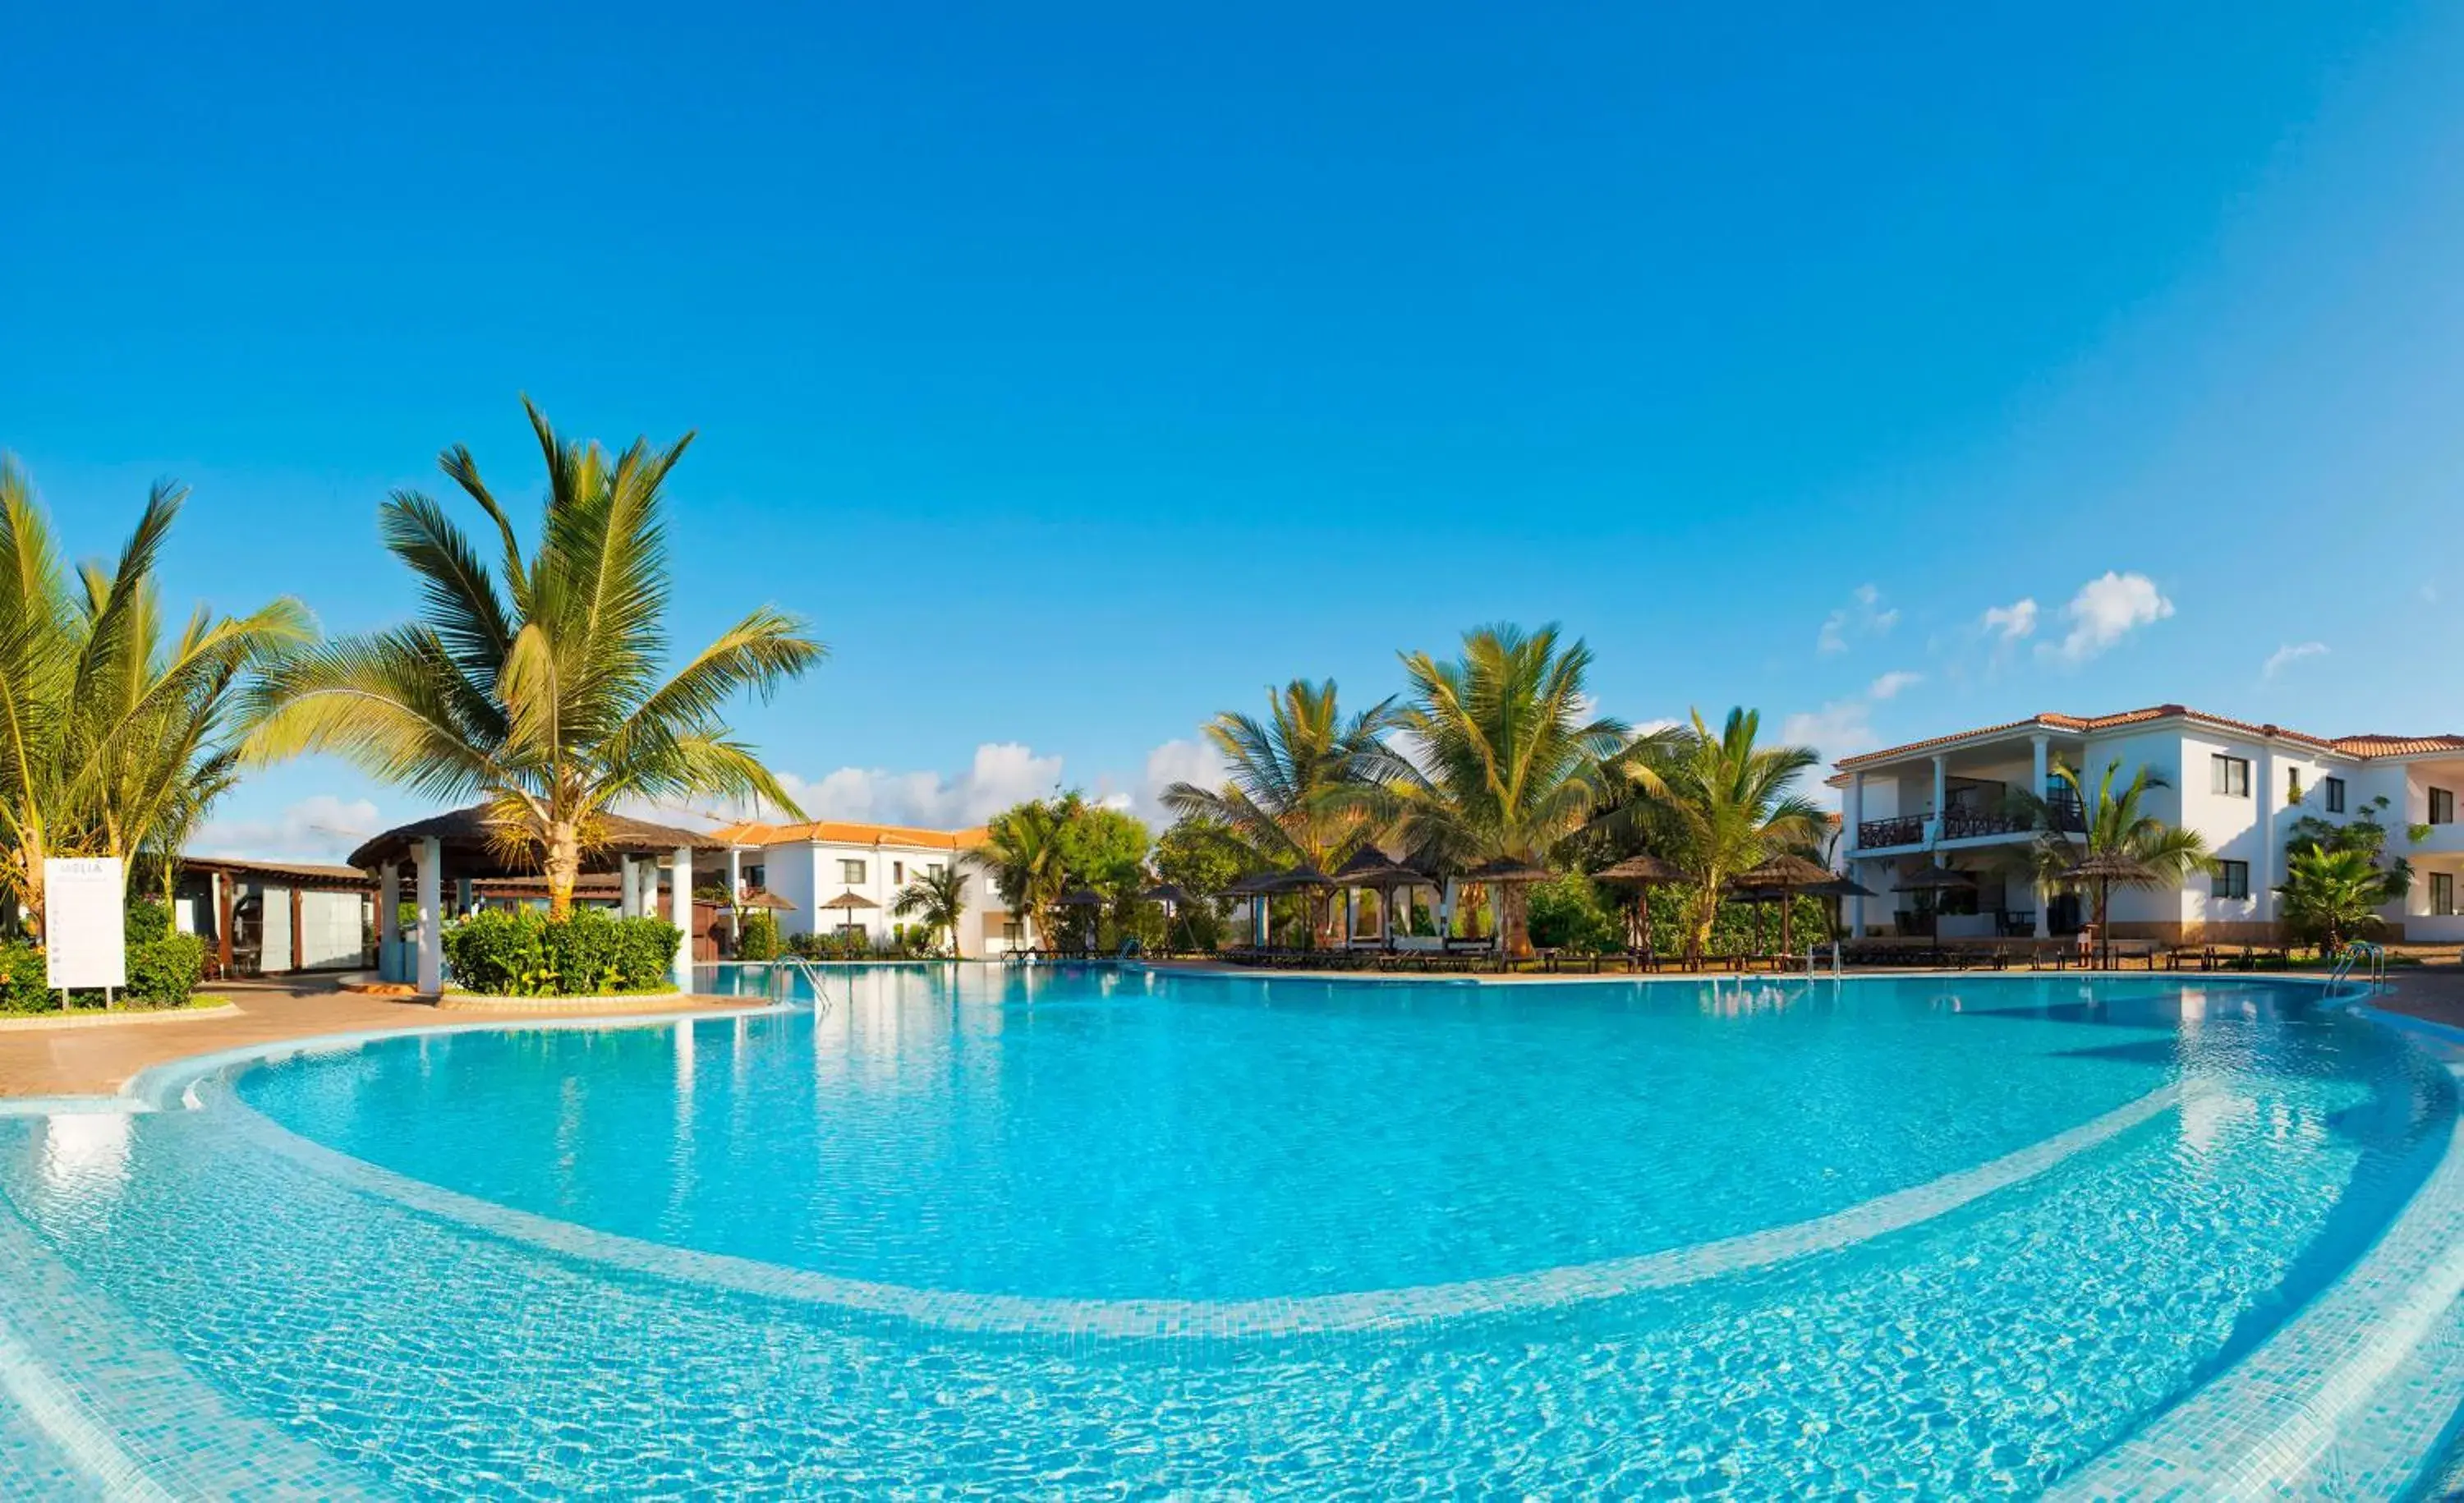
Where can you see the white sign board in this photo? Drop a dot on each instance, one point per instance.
(85, 924)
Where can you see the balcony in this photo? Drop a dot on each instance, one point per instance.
(1960, 824)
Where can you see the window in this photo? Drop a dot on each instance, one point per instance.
(2442, 806)
(898, 874)
(2292, 785)
(850, 873)
(2442, 894)
(2335, 792)
(933, 869)
(2230, 776)
(758, 876)
(2232, 880)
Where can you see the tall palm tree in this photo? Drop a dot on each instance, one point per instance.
(1506, 757)
(937, 900)
(114, 729)
(1301, 787)
(536, 687)
(1720, 803)
(2109, 826)
(1024, 854)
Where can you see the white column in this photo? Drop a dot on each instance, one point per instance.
(1941, 791)
(2044, 775)
(388, 918)
(1446, 909)
(431, 918)
(681, 902)
(1852, 816)
(2262, 866)
(628, 887)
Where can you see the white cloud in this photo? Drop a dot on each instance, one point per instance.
(2014, 621)
(319, 828)
(1194, 762)
(1889, 685)
(2290, 653)
(1843, 728)
(1863, 616)
(2106, 610)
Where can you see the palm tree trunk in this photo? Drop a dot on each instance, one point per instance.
(564, 868)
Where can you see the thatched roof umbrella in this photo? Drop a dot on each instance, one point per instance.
(1506, 871)
(1783, 872)
(1643, 874)
(1300, 878)
(2104, 869)
(1173, 897)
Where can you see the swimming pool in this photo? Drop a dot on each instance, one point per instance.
(1063, 1231)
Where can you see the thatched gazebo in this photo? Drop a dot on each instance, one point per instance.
(461, 845)
(1377, 871)
(1506, 871)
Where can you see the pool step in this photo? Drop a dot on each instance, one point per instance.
(2348, 1399)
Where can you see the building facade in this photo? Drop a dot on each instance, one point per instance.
(836, 875)
(1908, 810)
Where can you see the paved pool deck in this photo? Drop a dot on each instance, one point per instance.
(98, 1061)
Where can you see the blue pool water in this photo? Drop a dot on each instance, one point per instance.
(1073, 1231)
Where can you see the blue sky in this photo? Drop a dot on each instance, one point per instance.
(1080, 371)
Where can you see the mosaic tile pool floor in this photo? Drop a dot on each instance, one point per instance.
(1104, 1233)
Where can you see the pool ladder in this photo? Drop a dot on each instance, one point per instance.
(774, 983)
(1834, 948)
(2364, 956)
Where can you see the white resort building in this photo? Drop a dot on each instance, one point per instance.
(1939, 802)
(834, 875)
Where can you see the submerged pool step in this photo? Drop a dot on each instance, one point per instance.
(2348, 1399)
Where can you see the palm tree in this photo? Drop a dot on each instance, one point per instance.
(1024, 854)
(539, 692)
(1301, 786)
(2332, 893)
(938, 898)
(1296, 784)
(2110, 828)
(113, 730)
(1507, 758)
(1720, 805)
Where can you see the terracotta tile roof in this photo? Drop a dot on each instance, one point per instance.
(2358, 747)
(2371, 745)
(847, 833)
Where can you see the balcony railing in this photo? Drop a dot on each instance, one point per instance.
(1909, 829)
(1906, 830)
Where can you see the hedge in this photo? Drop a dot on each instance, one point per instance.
(522, 954)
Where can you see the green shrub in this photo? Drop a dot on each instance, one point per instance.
(761, 941)
(146, 920)
(21, 981)
(1566, 914)
(164, 972)
(522, 954)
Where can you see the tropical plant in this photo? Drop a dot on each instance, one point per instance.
(2332, 896)
(2092, 840)
(759, 939)
(536, 687)
(937, 899)
(1022, 855)
(1506, 758)
(2364, 833)
(1298, 787)
(115, 727)
(1720, 805)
